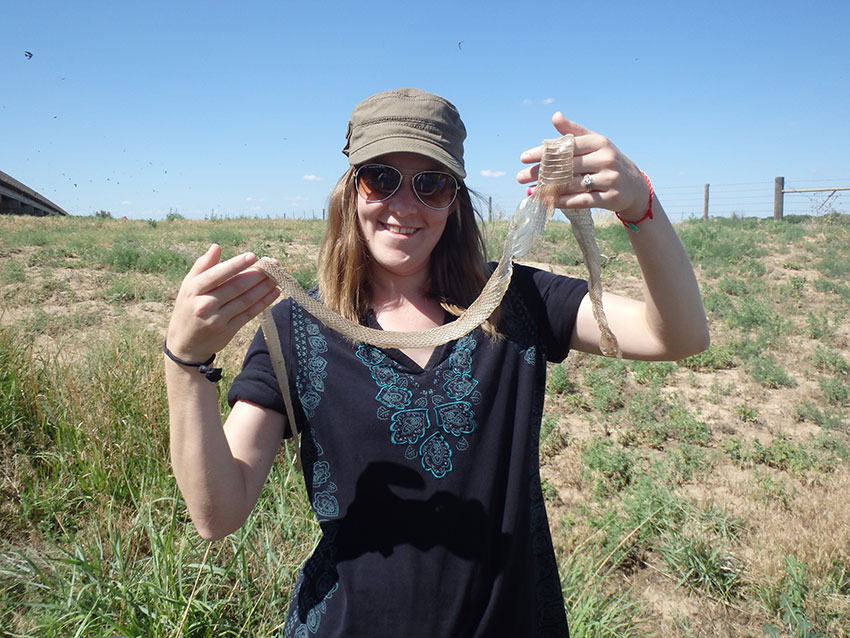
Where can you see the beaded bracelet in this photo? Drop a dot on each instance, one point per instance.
(213, 375)
(648, 215)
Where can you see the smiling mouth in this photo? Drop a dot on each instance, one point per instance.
(400, 230)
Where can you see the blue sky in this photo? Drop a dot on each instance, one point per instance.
(141, 108)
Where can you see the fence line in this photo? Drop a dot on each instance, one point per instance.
(752, 199)
(779, 192)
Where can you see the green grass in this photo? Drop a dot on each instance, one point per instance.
(670, 469)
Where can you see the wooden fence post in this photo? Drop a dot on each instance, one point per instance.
(705, 204)
(778, 187)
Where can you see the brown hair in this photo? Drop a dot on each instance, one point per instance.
(458, 263)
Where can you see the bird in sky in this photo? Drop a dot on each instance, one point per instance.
(28, 54)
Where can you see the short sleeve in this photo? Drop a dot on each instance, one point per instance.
(557, 299)
(257, 382)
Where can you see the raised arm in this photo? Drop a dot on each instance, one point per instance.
(220, 468)
(668, 323)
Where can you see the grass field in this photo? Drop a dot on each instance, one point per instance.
(706, 497)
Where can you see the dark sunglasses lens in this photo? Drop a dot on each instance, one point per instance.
(376, 183)
(435, 189)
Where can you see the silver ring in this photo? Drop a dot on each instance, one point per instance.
(587, 182)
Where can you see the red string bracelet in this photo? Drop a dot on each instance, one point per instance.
(647, 215)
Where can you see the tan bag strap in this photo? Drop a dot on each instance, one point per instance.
(279, 365)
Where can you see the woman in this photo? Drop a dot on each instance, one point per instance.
(421, 465)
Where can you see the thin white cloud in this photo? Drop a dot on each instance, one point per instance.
(488, 173)
(255, 199)
(548, 100)
(312, 178)
(126, 202)
(527, 102)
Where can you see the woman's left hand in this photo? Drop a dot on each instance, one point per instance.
(617, 184)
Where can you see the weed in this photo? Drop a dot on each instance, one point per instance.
(834, 265)
(592, 612)
(788, 601)
(829, 360)
(836, 390)
(795, 288)
(703, 567)
(819, 326)
(687, 461)
(774, 490)
(719, 391)
(127, 256)
(752, 268)
(746, 413)
(827, 418)
(610, 466)
(13, 273)
(647, 412)
(712, 358)
(752, 313)
(734, 286)
(688, 426)
(557, 381)
(717, 304)
(835, 287)
(606, 384)
(550, 492)
(652, 372)
(306, 277)
(770, 374)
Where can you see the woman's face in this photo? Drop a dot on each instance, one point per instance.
(401, 231)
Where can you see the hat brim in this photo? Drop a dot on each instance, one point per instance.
(388, 145)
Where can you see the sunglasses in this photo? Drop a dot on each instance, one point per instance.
(378, 182)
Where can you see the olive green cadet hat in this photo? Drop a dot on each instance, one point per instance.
(406, 120)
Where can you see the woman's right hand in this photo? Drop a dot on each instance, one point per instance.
(215, 300)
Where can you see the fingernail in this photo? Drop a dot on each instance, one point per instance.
(524, 157)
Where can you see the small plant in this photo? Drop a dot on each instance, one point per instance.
(703, 567)
(718, 391)
(789, 602)
(836, 389)
(774, 490)
(795, 288)
(652, 372)
(828, 360)
(827, 418)
(712, 358)
(550, 492)
(611, 465)
(770, 374)
(306, 277)
(819, 326)
(557, 381)
(746, 413)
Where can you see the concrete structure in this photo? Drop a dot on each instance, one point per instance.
(17, 199)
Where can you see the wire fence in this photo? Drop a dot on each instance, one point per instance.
(754, 199)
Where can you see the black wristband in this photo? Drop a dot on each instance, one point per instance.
(212, 374)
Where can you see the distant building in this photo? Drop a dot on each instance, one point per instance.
(17, 199)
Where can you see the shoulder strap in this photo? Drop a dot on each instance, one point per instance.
(279, 365)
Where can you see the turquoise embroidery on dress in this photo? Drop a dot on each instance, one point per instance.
(412, 410)
(409, 426)
(436, 455)
(317, 581)
(309, 344)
